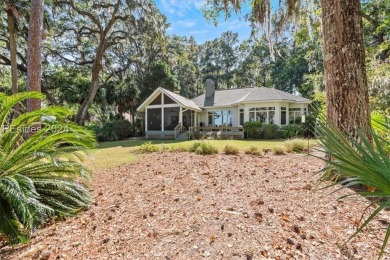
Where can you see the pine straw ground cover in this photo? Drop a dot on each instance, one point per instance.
(188, 206)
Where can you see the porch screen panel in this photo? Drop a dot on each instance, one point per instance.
(154, 119)
(171, 117)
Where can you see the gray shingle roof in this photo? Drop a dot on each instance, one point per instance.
(233, 96)
(184, 101)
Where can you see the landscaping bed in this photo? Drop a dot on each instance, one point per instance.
(188, 206)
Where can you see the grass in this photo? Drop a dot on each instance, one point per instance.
(230, 149)
(112, 154)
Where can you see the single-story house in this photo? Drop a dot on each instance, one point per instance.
(171, 116)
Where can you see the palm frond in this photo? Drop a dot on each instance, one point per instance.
(41, 172)
(360, 162)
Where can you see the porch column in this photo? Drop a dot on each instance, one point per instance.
(181, 116)
(146, 119)
(288, 114)
(162, 112)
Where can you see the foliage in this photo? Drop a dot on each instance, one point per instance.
(380, 123)
(160, 75)
(278, 150)
(148, 147)
(269, 131)
(295, 146)
(252, 129)
(361, 163)
(115, 130)
(178, 148)
(41, 173)
(252, 150)
(202, 147)
(230, 149)
(291, 131)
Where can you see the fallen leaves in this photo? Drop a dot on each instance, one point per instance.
(185, 206)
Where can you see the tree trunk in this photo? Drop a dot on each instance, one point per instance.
(35, 31)
(12, 49)
(344, 63)
(96, 68)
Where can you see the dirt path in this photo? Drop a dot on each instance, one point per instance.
(186, 206)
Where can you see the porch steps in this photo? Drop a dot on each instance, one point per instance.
(182, 137)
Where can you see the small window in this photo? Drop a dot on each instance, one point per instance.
(283, 117)
(210, 119)
(241, 116)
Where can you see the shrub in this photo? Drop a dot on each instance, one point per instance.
(41, 175)
(252, 150)
(230, 149)
(179, 148)
(278, 150)
(112, 131)
(295, 146)
(147, 147)
(252, 129)
(291, 131)
(203, 148)
(269, 131)
(116, 130)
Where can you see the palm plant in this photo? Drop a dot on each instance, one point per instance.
(359, 162)
(41, 172)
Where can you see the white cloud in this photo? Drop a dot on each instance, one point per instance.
(180, 7)
(186, 23)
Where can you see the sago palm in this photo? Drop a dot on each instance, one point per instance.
(359, 162)
(41, 172)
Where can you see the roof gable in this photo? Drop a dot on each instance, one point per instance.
(180, 100)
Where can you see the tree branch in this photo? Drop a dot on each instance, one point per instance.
(7, 61)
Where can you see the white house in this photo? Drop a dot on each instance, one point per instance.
(170, 116)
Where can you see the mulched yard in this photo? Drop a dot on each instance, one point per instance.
(187, 206)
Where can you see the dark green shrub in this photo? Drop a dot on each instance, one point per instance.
(291, 131)
(252, 129)
(116, 130)
(269, 131)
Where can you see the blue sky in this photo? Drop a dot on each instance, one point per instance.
(186, 19)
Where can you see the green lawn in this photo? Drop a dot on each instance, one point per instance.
(112, 154)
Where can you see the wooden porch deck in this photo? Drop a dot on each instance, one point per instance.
(222, 132)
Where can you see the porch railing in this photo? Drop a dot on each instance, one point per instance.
(177, 130)
(221, 131)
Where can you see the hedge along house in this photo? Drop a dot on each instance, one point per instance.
(171, 116)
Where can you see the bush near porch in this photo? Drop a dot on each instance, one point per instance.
(257, 130)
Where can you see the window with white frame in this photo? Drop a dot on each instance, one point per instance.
(221, 118)
(295, 115)
(241, 116)
(283, 115)
(262, 114)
